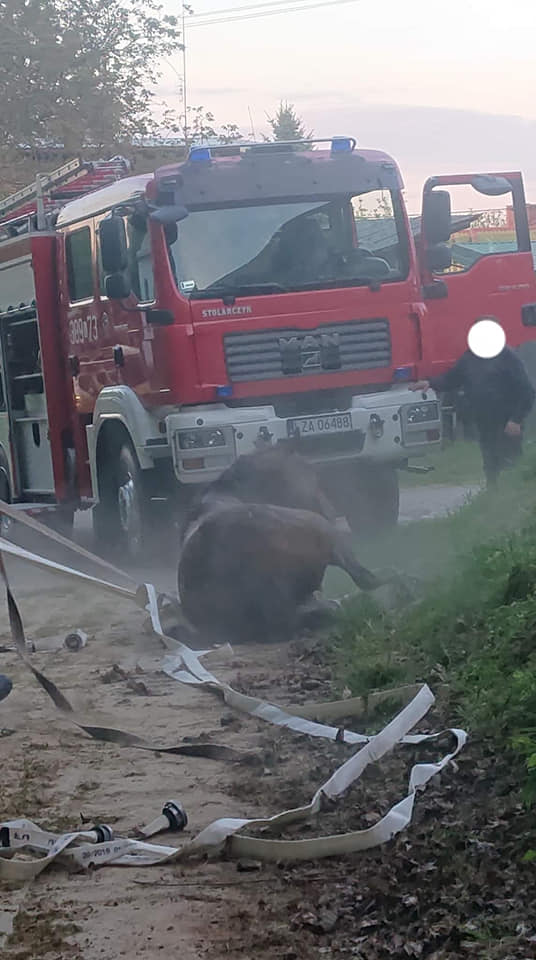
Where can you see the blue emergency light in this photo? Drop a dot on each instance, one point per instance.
(200, 155)
(224, 391)
(343, 144)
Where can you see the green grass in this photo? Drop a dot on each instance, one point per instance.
(457, 463)
(474, 627)
(432, 548)
(427, 548)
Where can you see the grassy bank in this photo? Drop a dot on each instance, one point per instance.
(433, 548)
(457, 463)
(474, 628)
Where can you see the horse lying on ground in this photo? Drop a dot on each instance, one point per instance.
(276, 475)
(255, 548)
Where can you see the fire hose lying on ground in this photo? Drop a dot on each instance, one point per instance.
(98, 846)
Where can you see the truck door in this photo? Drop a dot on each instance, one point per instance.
(89, 337)
(476, 260)
(125, 323)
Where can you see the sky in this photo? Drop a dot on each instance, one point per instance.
(442, 87)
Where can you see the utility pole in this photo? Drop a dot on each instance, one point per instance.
(251, 123)
(184, 94)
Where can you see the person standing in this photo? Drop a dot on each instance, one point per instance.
(499, 395)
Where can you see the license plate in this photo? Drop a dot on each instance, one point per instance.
(315, 426)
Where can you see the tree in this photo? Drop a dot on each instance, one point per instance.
(491, 218)
(286, 125)
(384, 208)
(201, 126)
(360, 210)
(229, 133)
(81, 72)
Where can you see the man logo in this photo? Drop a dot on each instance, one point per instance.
(310, 353)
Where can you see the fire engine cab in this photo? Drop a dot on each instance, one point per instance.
(155, 327)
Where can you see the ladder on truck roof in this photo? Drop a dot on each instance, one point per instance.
(50, 191)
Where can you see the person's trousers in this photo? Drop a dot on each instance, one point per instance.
(498, 449)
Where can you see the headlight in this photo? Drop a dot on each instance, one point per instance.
(421, 412)
(192, 439)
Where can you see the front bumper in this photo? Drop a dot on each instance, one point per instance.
(385, 427)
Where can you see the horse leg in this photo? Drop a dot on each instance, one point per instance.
(343, 556)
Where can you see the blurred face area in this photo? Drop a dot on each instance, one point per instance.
(486, 338)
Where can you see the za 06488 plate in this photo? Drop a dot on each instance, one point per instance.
(316, 426)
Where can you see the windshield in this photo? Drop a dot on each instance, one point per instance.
(311, 244)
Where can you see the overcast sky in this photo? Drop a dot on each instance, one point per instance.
(444, 87)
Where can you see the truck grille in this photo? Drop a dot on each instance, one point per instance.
(270, 354)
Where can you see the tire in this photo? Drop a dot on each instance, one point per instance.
(5, 493)
(367, 496)
(119, 519)
(5, 485)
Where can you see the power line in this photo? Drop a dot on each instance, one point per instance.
(251, 11)
(244, 8)
(270, 13)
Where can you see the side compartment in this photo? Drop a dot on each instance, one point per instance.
(34, 410)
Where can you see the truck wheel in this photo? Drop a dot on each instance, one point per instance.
(119, 519)
(5, 494)
(5, 486)
(368, 496)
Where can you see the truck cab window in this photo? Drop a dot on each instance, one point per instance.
(481, 227)
(79, 265)
(341, 240)
(140, 261)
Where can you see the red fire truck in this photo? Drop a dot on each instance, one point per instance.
(155, 327)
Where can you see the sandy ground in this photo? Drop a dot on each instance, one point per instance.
(53, 773)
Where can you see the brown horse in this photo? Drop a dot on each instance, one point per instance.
(255, 548)
(276, 475)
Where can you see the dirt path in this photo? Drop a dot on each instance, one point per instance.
(432, 500)
(53, 773)
(370, 906)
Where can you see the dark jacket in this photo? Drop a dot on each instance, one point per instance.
(497, 389)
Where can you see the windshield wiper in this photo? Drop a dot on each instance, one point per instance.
(238, 290)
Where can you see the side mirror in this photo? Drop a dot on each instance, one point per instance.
(113, 245)
(491, 186)
(159, 318)
(169, 214)
(436, 217)
(438, 257)
(117, 286)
